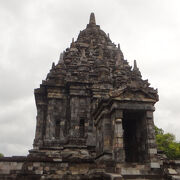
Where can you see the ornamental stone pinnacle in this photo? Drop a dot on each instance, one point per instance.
(92, 19)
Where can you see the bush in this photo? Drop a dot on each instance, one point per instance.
(1, 155)
(167, 143)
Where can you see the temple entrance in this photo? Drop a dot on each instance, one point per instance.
(135, 134)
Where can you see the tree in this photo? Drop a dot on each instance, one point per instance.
(1, 155)
(167, 143)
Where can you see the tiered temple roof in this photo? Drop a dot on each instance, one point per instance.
(93, 58)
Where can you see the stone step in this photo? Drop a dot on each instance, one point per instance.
(143, 177)
(175, 177)
(134, 171)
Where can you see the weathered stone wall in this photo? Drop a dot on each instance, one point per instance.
(36, 168)
(171, 169)
(10, 167)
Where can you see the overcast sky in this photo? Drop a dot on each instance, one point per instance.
(34, 32)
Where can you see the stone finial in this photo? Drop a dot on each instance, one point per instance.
(53, 65)
(135, 66)
(118, 61)
(92, 19)
(72, 44)
(61, 57)
(119, 47)
(136, 69)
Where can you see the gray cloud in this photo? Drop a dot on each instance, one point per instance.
(34, 32)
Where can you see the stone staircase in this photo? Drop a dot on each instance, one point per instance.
(140, 172)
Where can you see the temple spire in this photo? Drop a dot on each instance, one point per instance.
(53, 65)
(136, 69)
(135, 66)
(72, 44)
(119, 60)
(119, 47)
(92, 19)
(61, 58)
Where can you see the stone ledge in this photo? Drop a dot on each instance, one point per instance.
(13, 159)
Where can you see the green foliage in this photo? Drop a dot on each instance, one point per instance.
(1, 155)
(166, 142)
(158, 130)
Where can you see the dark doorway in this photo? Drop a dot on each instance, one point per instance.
(135, 133)
(57, 129)
(81, 128)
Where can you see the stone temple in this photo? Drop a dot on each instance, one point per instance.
(94, 117)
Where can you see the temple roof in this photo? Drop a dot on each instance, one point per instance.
(93, 58)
